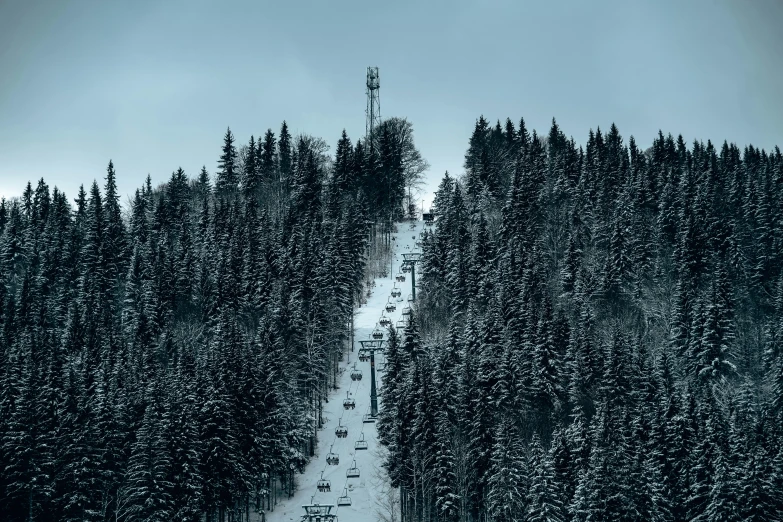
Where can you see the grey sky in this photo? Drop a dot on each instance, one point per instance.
(154, 84)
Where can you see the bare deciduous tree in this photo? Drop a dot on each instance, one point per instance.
(387, 501)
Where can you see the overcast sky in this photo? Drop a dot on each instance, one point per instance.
(153, 85)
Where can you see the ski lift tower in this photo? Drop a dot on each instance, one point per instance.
(319, 513)
(372, 345)
(410, 260)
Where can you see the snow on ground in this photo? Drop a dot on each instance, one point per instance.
(366, 492)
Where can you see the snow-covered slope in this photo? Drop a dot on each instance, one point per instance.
(367, 492)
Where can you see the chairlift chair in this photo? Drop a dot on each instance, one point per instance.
(385, 322)
(368, 418)
(332, 458)
(390, 307)
(378, 333)
(360, 444)
(363, 357)
(400, 278)
(344, 500)
(323, 485)
(381, 367)
(406, 268)
(410, 298)
(356, 374)
(353, 471)
(396, 292)
(341, 432)
(406, 311)
(349, 403)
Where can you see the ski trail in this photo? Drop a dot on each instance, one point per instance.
(362, 490)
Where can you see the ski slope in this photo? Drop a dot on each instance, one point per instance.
(366, 491)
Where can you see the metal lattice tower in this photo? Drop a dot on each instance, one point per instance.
(373, 102)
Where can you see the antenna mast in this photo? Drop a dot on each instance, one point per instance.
(373, 102)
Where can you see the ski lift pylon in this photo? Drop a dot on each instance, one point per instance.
(318, 512)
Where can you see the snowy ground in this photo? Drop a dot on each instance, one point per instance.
(368, 492)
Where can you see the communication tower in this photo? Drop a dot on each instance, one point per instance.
(373, 102)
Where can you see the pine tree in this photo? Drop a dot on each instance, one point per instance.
(227, 179)
(545, 493)
(252, 171)
(284, 154)
(147, 491)
(507, 497)
(447, 501)
(115, 248)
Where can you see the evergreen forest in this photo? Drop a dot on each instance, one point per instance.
(168, 360)
(598, 332)
(598, 336)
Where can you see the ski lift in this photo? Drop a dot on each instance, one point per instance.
(381, 367)
(360, 444)
(399, 299)
(400, 324)
(378, 333)
(400, 278)
(356, 373)
(390, 307)
(418, 244)
(368, 418)
(410, 298)
(353, 471)
(344, 500)
(363, 357)
(349, 403)
(332, 458)
(341, 432)
(406, 268)
(385, 322)
(396, 292)
(406, 311)
(324, 485)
